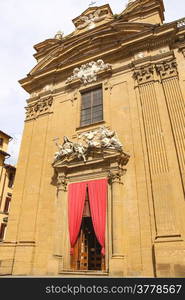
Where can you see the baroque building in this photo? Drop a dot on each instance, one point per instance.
(7, 175)
(100, 186)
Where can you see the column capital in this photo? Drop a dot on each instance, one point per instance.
(144, 74)
(167, 69)
(116, 176)
(62, 182)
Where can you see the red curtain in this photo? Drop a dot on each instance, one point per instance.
(76, 199)
(98, 205)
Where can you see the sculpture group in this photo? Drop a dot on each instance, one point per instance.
(98, 140)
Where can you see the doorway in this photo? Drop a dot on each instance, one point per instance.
(87, 251)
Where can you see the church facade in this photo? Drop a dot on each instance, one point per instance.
(99, 188)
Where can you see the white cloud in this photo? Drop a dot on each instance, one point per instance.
(26, 23)
(13, 149)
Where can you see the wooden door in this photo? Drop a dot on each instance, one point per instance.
(87, 251)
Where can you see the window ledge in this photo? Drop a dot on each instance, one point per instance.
(89, 126)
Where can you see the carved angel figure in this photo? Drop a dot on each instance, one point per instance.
(89, 138)
(101, 65)
(65, 149)
(108, 139)
(90, 20)
(80, 151)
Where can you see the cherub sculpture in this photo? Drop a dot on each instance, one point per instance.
(89, 138)
(108, 139)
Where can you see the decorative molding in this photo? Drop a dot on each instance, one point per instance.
(182, 49)
(181, 23)
(108, 86)
(38, 108)
(62, 183)
(144, 74)
(87, 73)
(167, 69)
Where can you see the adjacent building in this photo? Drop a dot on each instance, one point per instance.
(7, 174)
(100, 185)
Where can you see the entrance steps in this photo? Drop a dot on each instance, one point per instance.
(84, 274)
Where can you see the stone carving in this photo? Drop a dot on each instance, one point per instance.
(59, 35)
(109, 139)
(65, 149)
(80, 151)
(181, 23)
(88, 73)
(97, 141)
(167, 69)
(69, 148)
(90, 20)
(62, 182)
(115, 176)
(90, 139)
(144, 74)
(42, 106)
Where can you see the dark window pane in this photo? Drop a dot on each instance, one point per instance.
(97, 108)
(97, 116)
(86, 117)
(86, 101)
(97, 97)
(97, 119)
(91, 107)
(83, 123)
(86, 112)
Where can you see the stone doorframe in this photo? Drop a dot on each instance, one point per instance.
(111, 165)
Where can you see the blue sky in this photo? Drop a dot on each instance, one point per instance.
(26, 23)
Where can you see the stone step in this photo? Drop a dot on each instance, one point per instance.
(84, 274)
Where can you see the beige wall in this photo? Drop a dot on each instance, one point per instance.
(5, 189)
(143, 100)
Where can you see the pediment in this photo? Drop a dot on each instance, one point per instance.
(94, 157)
(81, 46)
(92, 16)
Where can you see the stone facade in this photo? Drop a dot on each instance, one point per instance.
(7, 174)
(139, 63)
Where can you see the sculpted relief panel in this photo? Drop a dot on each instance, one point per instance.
(87, 73)
(99, 140)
